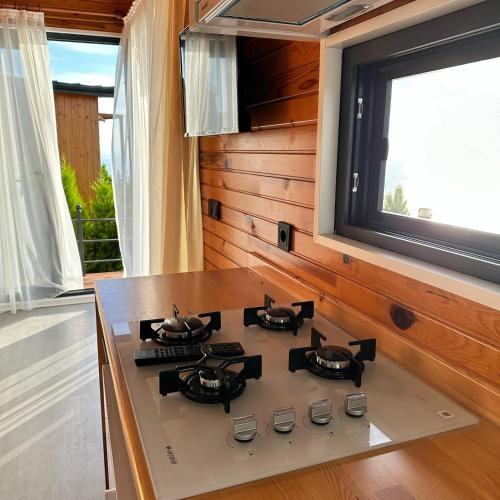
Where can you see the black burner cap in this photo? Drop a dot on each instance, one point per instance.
(279, 315)
(179, 324)
(334, 353)
(280, 312)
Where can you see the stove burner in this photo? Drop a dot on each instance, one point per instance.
(278, 318)
(334, 357)
(180, 330)
(211, 383)
(333, 362)
(279, 315)
(179, 327)
(209, 379)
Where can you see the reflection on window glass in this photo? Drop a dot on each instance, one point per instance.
(443, 163)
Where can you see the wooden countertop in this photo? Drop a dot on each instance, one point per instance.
(460, 464)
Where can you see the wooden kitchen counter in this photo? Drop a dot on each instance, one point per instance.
(460, 464)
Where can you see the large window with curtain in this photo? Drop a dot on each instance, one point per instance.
(38, 251)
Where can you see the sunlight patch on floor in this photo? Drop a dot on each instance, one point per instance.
(39, 372)
(26, 445)
(29, 408)
(23, 328)
(50, 424)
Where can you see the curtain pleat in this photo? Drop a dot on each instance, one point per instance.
(156, 179)
(182, 248)
(211, 84)
(38, 250)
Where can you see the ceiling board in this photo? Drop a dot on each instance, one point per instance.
(87, 15)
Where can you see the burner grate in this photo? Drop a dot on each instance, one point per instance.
(342, 365)
(178, 330)
(278, 318)
(209, 383)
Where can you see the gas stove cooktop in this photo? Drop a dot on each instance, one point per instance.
(308, 404)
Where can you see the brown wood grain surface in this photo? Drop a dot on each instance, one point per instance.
(295, 110)
(300, 166)
(282, 61)
(283, 189)
(301, 80)
(292, 139)
(87, 15)
(78, 136)
(268, 208)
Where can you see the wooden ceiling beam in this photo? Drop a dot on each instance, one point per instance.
(87, 15)
(60, 10)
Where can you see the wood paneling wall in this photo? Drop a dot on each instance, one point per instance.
(267, 175)
(78, 136)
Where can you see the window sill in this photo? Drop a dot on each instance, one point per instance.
(454, 282)
(55, 302)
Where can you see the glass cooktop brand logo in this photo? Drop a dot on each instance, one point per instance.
(171, 455)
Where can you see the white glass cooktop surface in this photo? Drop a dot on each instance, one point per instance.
(190, 448)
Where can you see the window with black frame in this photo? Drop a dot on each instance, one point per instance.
(419, 158)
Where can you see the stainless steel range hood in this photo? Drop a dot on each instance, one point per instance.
(294, 13)
(295, 19)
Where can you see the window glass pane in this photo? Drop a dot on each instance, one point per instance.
(83, 63)
(444, 146)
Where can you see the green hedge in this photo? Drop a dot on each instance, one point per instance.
(100, 206)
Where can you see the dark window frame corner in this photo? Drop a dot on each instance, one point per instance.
(450, 40)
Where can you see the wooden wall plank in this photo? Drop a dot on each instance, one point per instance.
(255, 48)
(263, 229)
(208, 266)
(218, 260)
(300, 166)
(228, 250)
(226, 233)
(295, 191)
(78, 136)
(297, 81)
(277, 62)
(295, 140)
(300, 217)
(303, 108)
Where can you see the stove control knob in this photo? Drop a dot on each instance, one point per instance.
(355, 405)
(284, 419)
(321, 412)
(244, 428)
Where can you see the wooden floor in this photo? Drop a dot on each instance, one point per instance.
(90, 279)
(50, 440)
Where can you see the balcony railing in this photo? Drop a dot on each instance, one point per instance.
(80, 220)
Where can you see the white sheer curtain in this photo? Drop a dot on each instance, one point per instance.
(38, 250)
(211, 84)
(138, 135)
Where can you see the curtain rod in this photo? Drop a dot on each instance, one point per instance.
(61, 10)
